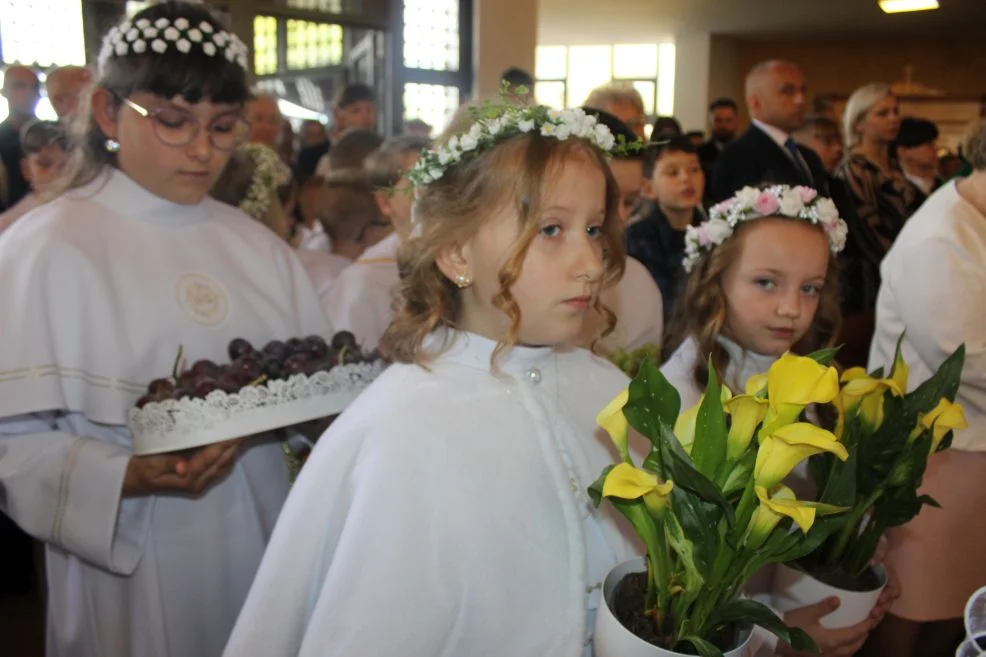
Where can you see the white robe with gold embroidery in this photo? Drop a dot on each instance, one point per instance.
(100, 287)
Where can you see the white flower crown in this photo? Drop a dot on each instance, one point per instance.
(269, 173)
(751, 203)
(141, 36)
(495, 123)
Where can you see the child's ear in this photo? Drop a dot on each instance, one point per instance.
(382, 200)
(455, 261)
(104, 111)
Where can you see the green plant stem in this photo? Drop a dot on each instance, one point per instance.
(851, 529)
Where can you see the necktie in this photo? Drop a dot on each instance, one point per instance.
(792, 149)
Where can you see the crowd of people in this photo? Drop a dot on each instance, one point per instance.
(445, 512)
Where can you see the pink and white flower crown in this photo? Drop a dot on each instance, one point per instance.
(751, 203)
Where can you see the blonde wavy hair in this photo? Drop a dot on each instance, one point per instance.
(451, 210)
(701, 309)
(860, 103)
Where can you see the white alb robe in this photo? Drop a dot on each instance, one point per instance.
(362, 297)
(323, 269)
(445, 513)
(99, 288)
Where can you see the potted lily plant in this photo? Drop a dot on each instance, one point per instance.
(710, 507)
(889, 434)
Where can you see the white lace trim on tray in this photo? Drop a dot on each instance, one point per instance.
(193, 416)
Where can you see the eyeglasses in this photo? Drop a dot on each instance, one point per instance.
(177, 127)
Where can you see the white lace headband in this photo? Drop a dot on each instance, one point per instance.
(143, 35)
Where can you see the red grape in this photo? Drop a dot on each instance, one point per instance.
(296, 364)
(145, 400)
(205, 369)
(239, 347)
(204, 387)
(343, 339)
(161, 387)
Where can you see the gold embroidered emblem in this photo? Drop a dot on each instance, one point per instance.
(202, 299)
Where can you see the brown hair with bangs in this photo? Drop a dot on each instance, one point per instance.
(194, 76)
(514, 174)
(701, 309)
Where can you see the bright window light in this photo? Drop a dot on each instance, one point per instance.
(665, 79)
(60, 21)
(898, 6)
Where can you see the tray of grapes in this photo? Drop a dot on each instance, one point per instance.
(281, 385)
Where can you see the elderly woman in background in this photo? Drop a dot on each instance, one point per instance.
(934, 282)
(882, 195)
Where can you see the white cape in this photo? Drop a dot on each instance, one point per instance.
(445, 513)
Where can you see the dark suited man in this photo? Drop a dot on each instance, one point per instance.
(766, 152)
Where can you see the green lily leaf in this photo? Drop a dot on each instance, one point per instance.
(709, 449)
(824, 356)
(752, 611)
(653, 401)
(702, 647)
(682, 471)
(596, 489)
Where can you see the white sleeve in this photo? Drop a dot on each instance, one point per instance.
(353, 544)
(66, 490)
(938, 296)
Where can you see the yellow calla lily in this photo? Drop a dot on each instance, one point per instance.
(684, 426)
(757, 384)
(794, 382)
(615, 423)
(629, 483)
(944, 417)
(865, 392)
(901, 372)
(787, 446)
(772, 509)
(747, 411)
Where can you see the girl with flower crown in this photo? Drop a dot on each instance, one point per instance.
(762, 281)
(148, 556)
(445, 512)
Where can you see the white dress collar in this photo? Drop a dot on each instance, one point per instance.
(475, 351)
(743, 364)
(119, 193)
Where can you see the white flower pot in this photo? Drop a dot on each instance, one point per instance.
(611, 639)
(795, 588)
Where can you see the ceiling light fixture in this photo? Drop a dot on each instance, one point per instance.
(899, 6)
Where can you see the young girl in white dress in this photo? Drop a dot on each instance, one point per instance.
(753, 292)
(445, 512)
(146, 555)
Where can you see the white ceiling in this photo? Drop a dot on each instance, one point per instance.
(647, 21)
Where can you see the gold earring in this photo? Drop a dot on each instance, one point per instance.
(462, 281)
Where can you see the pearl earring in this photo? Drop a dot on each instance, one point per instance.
(112, 146)
(462, 281)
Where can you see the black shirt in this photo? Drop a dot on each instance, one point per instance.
(11, 154)
(660, 248)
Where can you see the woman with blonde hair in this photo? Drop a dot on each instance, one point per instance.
(881, 193)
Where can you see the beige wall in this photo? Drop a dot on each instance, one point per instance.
(958, 69)
(692, 66)
(505, 35)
